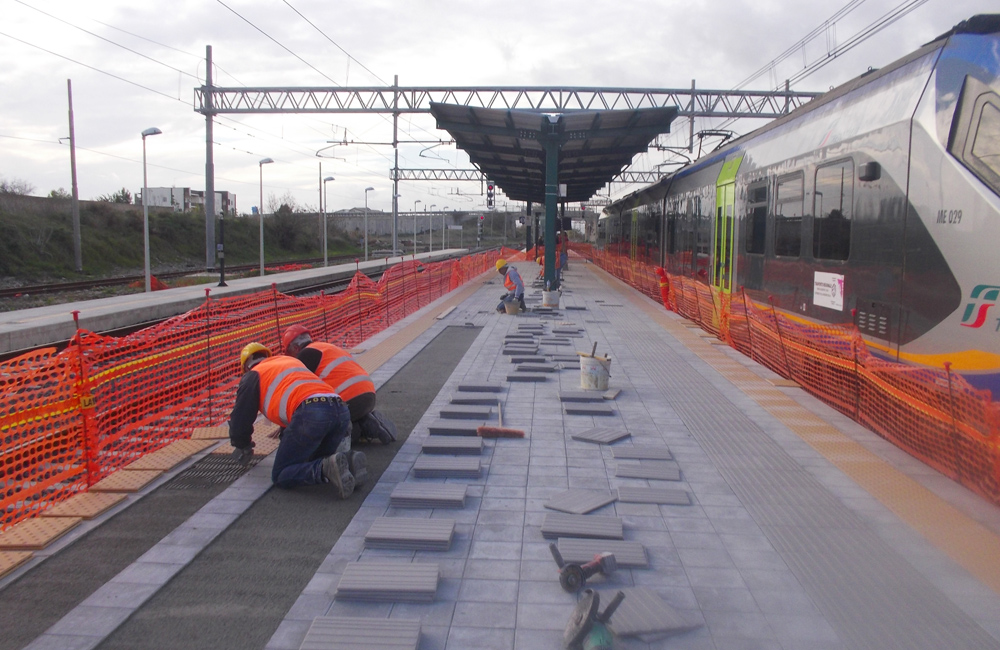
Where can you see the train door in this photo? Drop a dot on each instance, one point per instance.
(633, 253)
(723, 250)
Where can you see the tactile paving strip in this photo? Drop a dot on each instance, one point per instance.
(580, 551)
(578, 408)
(662, 496)
(648, 469)
(220, 432)
(557, 525)
(455, 445)
(466, 412)
(453, 427)
(126, 481)
(446, 467)
(168, 457)
(10, 560)
(351, 633)
(388, 582)
(644, 612)
(600, 436)
(416, 495)
(639, 452)
(579, 502)
(410, 533)
(36, 534)
(86, 505)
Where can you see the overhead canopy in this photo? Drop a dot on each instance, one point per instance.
(508, 146)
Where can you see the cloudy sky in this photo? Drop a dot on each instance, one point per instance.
(134, 65)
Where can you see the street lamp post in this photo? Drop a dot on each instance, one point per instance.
(395, 220)
(145, 205)
(260, 210)
(444, 230)
(415, 225)
(367, 190)
(326, 259)
(430, 226)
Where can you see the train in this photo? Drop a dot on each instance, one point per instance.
(876, 203)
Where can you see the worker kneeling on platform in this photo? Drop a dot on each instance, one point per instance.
(512, 281)
(313, 417)
(336, 367)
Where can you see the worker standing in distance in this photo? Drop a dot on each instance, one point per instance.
(338, 369)
(314, 421)
(512, 281)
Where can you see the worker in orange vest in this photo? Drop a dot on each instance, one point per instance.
(336, 367)
(313, 419)
(513, 283)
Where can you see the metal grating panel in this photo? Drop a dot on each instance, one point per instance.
(211, 470)
(600, 436)
(581, 551)
(648, 469)
(557, 525)
(663, 496)
(579, 502)
(388, 582)
(419, 495)
(351, 633)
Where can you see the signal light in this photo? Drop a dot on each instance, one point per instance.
(490, 195)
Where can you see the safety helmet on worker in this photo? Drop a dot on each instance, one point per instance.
(501, 263)
(251, 351)
(291, 334)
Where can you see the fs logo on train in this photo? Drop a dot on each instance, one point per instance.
(982, 298)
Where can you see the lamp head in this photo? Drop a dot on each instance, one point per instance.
(266, 161)
(329, 178)
(151, 131)
(369, 189)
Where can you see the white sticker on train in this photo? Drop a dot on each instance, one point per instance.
(828, 290)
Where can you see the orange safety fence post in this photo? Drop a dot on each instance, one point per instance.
(87, 403)
(777, 325)
(208, 352)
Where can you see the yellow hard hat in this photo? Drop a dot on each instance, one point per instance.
(501, 263)
(250, 350)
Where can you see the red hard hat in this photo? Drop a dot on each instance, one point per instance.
(291, 334)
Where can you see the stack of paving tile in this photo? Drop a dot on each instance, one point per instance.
(600, 436)
(660, 496)
(466, 412)
(536, 366)
(517, 376)
(642, 452)
(580, 551)
(352, 632)
(649, 469)
(474, 398)
(579, 502)
(481, 387)
(454, 445)
(454, 427)
(557, 525)
(646, 615)
(436, 495)
(410, 533)
(446, 467)
(587, 408)
(388, 582)
(581, 396)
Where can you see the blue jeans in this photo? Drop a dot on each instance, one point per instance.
(313, 434)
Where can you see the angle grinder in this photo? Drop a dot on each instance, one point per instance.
(587, 628)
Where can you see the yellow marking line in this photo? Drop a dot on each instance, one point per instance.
(969, 543)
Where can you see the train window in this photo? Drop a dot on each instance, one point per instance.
(788, 216)
(833, 211)
(975, 135)
(756, 218)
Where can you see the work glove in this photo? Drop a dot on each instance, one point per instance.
(503, 296)
(243, 456)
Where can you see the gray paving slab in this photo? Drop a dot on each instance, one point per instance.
(601, 436)
(527, 358)
(454, 445)
(581, 396)
(651, 469)
(413, 533)
(428, 495)
(353, 632)
(580, 551)
(481, 387)
(465, 412)
(641, 452)
(446, 467)
(564, 358)
(537, 366)
(454, 427)
(663, 496)
(557, 525)
(474, 398)
(388, 582)
(526, 377)
(644, 612)
(579, 502)
(581, 408)
(509, 350)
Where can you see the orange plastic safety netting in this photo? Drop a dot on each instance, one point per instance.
(69, 419)
(933, 414)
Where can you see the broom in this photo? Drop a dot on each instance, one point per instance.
(486, 431)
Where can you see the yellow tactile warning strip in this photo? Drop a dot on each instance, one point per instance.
(373, 359)
(784, 383)
(10, 560)
(220, 432)
(966, 541)
(86, 505)
(35, 534)
(126, 481)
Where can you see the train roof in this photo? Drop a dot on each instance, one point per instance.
(978, 24)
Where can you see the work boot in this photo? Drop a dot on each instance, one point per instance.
(358, 463)
(337, 470)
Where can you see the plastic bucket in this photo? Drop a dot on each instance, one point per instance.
(512, 306)
(594, 373)
(550, 299)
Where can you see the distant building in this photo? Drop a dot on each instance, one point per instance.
(183, 199)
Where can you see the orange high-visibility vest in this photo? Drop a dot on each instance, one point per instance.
(284, 384)
(341, 372)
